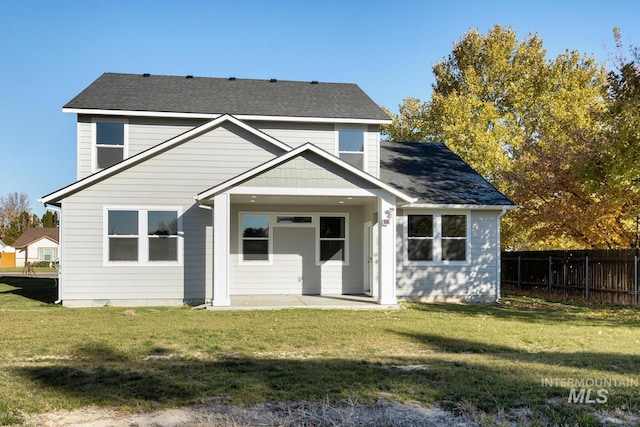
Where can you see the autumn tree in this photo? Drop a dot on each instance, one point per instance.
(524, 122)
(15, 216)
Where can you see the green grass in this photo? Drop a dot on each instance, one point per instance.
(487, 359)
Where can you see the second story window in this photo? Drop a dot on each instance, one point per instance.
(351, 146)
(110, 143)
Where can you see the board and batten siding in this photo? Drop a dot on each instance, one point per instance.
(275, 278)
(169, 179)
(476, 280)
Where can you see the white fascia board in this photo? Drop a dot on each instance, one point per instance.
(254, 117)
(190, 134)
(458, 206)
(304, 191)
(295, 152)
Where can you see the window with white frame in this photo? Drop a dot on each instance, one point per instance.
(142, 236)
(436, 238)
(255, 237)
(110, 139)
(351, 144)
(333, 239)
(420, 238)
(47, 254)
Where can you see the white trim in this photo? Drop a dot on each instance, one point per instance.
(255, 117)
(190, 134)
(458, 206)
(225, 186)
(94, 139)
(295, 191)
(346, 238)
(142, 236)
(365, 138)
(269, 260)
(437, 238)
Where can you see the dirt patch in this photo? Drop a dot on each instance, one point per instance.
(392, 414)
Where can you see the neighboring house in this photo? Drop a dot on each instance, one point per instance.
(37, 245)
(191, 190)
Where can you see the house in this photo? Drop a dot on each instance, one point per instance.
(37, 245)
(7, 255)
(192, 190)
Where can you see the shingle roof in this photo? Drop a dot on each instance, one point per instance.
(434, 174)
(206, 95)
(33, 234)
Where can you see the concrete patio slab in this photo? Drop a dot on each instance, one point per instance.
(279, 302)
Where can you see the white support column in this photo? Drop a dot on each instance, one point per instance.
(387, 250)
(221, 250)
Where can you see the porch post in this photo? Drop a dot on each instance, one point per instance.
(221, 250)
(387, 250)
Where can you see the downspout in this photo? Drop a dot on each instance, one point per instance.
(499, 258)
(59, 211)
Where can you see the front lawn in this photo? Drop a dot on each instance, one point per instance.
(517, 360)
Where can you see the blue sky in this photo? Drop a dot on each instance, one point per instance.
(51, 50)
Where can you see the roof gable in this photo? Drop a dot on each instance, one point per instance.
(58, 195)
(205, 96)
(434, 174)
(308, 150)
(32, 235)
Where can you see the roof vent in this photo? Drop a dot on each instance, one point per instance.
(189, 76)
(314, 82)
(146, 75)
(273, 80)
(233, 79)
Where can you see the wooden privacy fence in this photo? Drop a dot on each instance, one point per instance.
(609, 276)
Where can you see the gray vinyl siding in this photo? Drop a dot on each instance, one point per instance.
(373, 150)
(476, 280)
(249, 279)
(169, 179)
(84, 147)
(144, 133)
(296, 134)
(307, 171)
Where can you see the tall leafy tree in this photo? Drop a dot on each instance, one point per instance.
(15, 216)
(508, 111)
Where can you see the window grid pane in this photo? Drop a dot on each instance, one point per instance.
(351, 140)
(110, 133)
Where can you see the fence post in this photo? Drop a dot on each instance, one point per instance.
(519, 273)
(586, 279)
(550, 272)
(635, 280)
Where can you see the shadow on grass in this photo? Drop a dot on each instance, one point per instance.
(623, 364)
(35, 288)
(101, 375)
(534, 312)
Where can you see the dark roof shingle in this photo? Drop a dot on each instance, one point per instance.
(206, 95)
(32, 234)
(434, 174)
